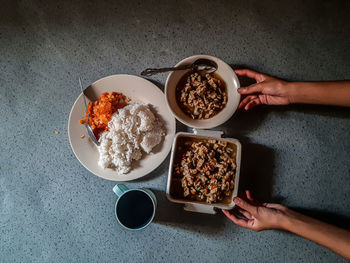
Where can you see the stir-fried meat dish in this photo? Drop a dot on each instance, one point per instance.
(207, 170)
(201, 96)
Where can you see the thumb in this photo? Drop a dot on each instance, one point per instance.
(254, 88)
(245, 205)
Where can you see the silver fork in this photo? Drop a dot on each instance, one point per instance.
(88, 127)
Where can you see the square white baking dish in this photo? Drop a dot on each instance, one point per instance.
(197, 206)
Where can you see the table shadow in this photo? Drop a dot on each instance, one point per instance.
(335, 112)
(173, 215)
(327, 217)
(257, 170)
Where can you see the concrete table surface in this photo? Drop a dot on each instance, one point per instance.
(53, 210)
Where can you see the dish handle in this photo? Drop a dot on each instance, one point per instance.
(208, 133)
(200, 208)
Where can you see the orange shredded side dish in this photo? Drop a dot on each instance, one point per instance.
(101, 110)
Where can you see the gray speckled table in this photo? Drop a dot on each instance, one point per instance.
(53, 210)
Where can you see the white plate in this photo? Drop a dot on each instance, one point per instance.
(138, 90)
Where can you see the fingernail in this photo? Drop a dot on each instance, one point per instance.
(241, 89)
(236, 200)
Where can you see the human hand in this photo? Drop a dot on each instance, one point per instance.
(259, 216)
(275, 216)
(267, 90)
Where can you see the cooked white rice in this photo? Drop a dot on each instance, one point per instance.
(132, 129)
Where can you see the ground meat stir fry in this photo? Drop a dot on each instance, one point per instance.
(207, 171)
(201, 96)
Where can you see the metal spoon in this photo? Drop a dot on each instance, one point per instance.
(88, 127)
(201, 64)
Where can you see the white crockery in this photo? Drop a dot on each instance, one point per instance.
(138, 90)
(202, 206)
(232, 84)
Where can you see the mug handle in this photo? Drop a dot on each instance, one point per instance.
(120, 189)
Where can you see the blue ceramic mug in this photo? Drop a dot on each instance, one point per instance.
(135, 208)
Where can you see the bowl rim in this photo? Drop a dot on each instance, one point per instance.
(203, 126)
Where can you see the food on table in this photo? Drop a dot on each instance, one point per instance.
(201, 96)
(206, 170)
(131, 130)
(101, 111)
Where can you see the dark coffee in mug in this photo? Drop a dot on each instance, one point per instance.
(135, 209)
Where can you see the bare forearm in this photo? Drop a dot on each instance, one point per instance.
(328, 93)
(332, 237)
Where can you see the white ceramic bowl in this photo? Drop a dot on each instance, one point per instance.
(197, 206)
(232, 84)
